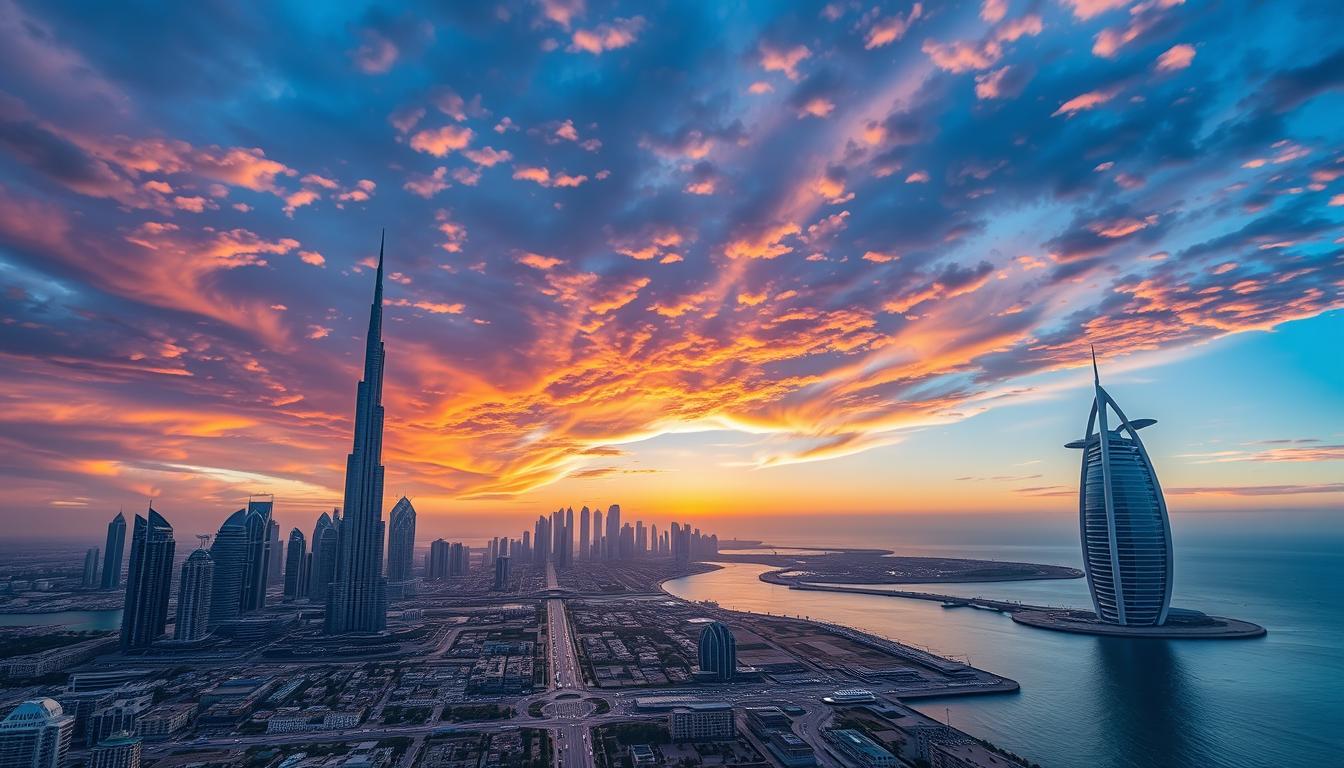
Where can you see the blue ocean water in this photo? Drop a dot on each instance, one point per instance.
(1091, 701)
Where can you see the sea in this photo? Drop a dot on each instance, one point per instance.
(1110, 702)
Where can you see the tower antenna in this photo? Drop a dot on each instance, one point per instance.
(1096, 377)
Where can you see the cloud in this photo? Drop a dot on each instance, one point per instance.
(887, 30)
(784, 60)
(1176, 57)
(1085, 101)
(440, 141)
(607, 37)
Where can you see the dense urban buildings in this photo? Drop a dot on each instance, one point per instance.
(150, 576)
(357, 598)
(112, 552)
(717, 651)
(1125, 530)
(35, 734)
(193, 596)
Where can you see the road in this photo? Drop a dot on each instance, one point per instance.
(573, 746)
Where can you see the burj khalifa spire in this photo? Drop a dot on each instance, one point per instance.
(357, 599)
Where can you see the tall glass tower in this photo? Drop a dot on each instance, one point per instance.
(193, 596)
(401, 541)
(116, 545)
(357, 600)
(1125, 530)
(148, 580)
(718, 651)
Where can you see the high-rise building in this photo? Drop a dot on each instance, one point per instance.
(584, 552)
(357, 600)
(275, 570)
(193, 596)
(112, 552)
(120, 751)
(150, 576)
(718, 651)
(613, 537)
(400, 541)
(568, 539)
(1123, 516)
(641, 538)
(541, 538)
(35, 734)
(436, 562)
(322, 565)
(296, 567)
(502, 573)
(229, 553)
(258, 561)
(597, 534)
(92, 578)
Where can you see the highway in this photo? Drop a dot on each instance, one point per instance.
(573, 746)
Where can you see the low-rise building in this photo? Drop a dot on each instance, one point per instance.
(863, 751)
(708, 721)
(121, 750)
(164, 721)
(55, 659)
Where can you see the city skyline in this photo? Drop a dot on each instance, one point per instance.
(839, 240)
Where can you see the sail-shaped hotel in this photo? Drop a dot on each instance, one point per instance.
(1125, 530)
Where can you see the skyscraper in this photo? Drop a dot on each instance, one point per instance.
(567, 542)
(1125, 530)
(597, 534)
(193, 596)
(323, 562)
(275, 558)
(296, 567)
(91, 575)
(613, 537)
(436, 562)
(357, 600)
(400, 541)
(229, 554)
(258, 562)
(718, 651)
(112, 551)
(584, 552)
(148, 580)
(502, 573)
(35, 734)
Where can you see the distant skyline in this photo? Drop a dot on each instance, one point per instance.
(700, 262)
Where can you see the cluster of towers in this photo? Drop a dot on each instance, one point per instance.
(602, 536)
(218, 583)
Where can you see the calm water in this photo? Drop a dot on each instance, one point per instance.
(1089, 701)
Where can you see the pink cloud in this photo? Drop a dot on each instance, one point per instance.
(537, 261)
(783, 60)
(1086, 101)
(195, 204)
(376, 55)
(312, 257)
(818, 106)
(562, 12)
(1176, 57)
(428, 186)
(993, 10)
(760, 87)
(538, 175)
(888, 30)
(918, 177)
(607, 37)
(1086, 9)
(487, 156)
(440, 141)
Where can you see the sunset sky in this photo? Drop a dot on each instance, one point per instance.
(693, 258)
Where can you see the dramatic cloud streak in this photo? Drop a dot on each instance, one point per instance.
(818, 226)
